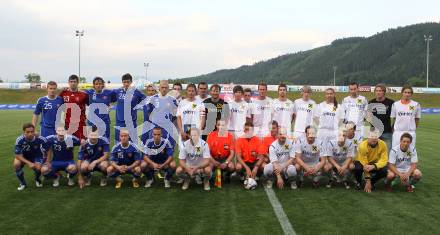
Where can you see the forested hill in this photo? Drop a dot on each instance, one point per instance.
(395, 57)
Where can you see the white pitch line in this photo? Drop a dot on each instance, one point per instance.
(279, 212)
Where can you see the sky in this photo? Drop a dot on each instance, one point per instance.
(181, 38)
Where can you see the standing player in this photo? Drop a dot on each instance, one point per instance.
(221, 146)
(134, 97)
(381, 108)
(98, 95)
(247, 95)
(310, 157)
(215, 109)
(239, 113)
(161, 109)
(282, 109)
(371, 162)
(246, 152)
(303, 109)
(194, 159)
(76, 102)
(125, 159)
(328, 115)
(355, 107)
(158, 157)
(340, 154)
(93, 156)
(189, 113)
(405, 115)
(47, 106)
(261, 111)
(60, 156)
(282, 156)
(30, 150)
(177, 88)
(202, 92)
(403, 164)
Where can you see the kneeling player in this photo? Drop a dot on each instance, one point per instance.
(194, 160)
(402, 163)
(310, 159)
(30, 150)
(125, 159)
(221, 145)
(246, 149)
(281, 155)
(158, 157)
(60, 157)
(340, 154)
(93, 156)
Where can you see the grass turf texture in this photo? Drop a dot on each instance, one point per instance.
(231, 210)
(31, 96)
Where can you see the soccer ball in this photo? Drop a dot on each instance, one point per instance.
(250, 184)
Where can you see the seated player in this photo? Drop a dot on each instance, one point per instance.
(310, 159)
(60, 156)
(125, 159)
(282, 156)
(246, 149)
(221, 145)
(93, 156)
(194, 159)
(403, 164)
(371, 162)
(340, 154)
(158, 157)
(263, 150)
(30, 150)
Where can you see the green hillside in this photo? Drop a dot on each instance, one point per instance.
(395, 57)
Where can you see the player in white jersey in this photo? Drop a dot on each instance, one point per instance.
(194, 158)
(239, 112)
(310, 159)
(261, 111)
(328, 115)
(282, 156)
(282, 110)
(355, 107)
(350, 127)
(189, 113)
(340, 155)
(303, 109)
(402, 163)
(202, 92)
(405, 114)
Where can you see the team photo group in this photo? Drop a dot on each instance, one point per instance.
(197, 134)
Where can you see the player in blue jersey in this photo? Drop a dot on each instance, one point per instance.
(30, 150)
(99, 96)
(158, 157)
(135, 96)
(160, 110)
(93, 156)
(125, 159)
(60, 156)
(47, 106)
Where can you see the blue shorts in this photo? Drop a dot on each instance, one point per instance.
(159, 160)
(61, 165)
(46, 131)
(35, 160)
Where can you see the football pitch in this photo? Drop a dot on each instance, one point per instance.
(230, 210)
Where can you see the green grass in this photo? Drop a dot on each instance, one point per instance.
(31, 96)
(230, 210)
